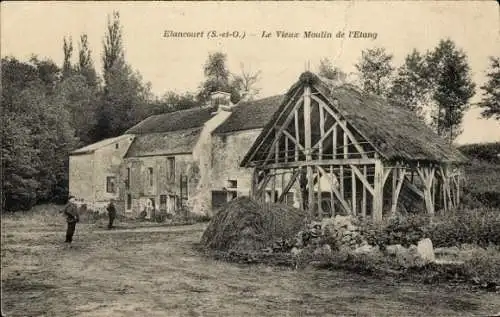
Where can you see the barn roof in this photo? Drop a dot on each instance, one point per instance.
(91, 148)
(173, 121)
(164, 143)
(395, 132)
(250, 115)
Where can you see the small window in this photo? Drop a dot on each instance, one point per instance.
(232, 183)
(163, 202)
(117, 145)
(129, 202)
(110, 184)
(127, 181)
(289, 198)
(171, 168)
(150, 176)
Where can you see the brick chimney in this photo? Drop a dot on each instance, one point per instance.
(221, 101)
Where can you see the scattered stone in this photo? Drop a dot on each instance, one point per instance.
(296, 251)
(365, 249)
(395, 249)
(425, 250)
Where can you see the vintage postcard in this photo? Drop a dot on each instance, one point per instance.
(200, 158)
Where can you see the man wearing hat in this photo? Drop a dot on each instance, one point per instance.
(71, 213)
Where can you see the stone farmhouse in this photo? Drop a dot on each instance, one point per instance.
(322, 147)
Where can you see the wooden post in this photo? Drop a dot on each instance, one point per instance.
(353, 192)
(286, 149)
(334, 142)
(320, 210)
(273, 187)
(307, 145)
(400, 173)
(332, 201)
(322, 129)
(297, 135)
(379, 192)
(427, 176)
(253, 187)
(363, 203)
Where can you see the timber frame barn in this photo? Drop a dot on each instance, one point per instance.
(373, 153)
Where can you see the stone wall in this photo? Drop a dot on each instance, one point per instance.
(140, 187)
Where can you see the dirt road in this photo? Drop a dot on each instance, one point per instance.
(156, 272)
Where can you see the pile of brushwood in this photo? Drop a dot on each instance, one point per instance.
(250, 228)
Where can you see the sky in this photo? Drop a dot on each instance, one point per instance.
(177, 63)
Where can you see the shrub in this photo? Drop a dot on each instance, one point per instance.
(404, 230)
(481, 227)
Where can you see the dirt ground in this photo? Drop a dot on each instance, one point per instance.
(156, 272)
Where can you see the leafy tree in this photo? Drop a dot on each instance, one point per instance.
(245, 82)
(68, 51)
(327, 70)
(452, 87)
(217, 78)
(36, 134)
(411, 84)
(124, 94)
(85, 63)
(375, 70)
(491, 91)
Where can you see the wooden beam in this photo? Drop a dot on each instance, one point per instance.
(345, 145)
(273, 189)
(322, 130)
(262, 186)
(295, 94)
(342, 125)
(340, 198)
(277, 152)
(294, 141)
(334, 141)
(307, 146)
(400, 173)
(289, 185)
(320, 210)
(378, 198)
(332, 201)
(325, 135)
(297, 134)
(353, 192)
(339, 162)
(363, 178)
(286, 149)
(279, 132)
(363, 202)
(427, 176)
(341, 180)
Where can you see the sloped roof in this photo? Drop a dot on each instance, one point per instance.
(164, 143)
(250, 114)
(95, 146)
(395, 132)
(173, 121)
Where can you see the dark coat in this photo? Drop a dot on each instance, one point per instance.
(111, 210)
(71, 213)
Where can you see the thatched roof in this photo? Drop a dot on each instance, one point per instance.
(250, 115)
(165, 143)
(173, 121)
(395, 132)
(91, 148)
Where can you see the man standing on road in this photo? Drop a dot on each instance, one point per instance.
(72, 217)
(111, 214)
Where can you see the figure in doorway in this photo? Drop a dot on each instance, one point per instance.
(111, 214)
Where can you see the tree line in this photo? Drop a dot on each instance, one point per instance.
(48, 110)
